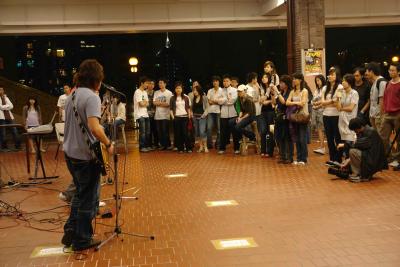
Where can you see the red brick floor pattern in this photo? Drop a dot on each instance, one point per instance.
(297, 215)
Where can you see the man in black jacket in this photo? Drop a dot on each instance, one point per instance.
(367, 154)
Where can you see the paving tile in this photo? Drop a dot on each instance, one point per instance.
(297, 215)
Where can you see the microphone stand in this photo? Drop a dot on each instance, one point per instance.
(118, 197)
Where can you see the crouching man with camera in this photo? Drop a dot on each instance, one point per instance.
(367, 154)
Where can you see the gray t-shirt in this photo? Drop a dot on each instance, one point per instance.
(375, 94)
(88, 105)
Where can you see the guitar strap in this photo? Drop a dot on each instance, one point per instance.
(82, 126)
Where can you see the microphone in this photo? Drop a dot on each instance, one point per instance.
(112, 89)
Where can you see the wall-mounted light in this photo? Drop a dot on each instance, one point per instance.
(395, 59)
(134, 69)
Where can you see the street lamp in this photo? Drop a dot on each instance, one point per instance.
(133, 61)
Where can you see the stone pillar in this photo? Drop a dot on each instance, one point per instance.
(309, 27)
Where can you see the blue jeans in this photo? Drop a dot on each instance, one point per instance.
(212, 122)
(144, 132)
(200, 127)
(86, 177)
(301, 142)
(239, 129)
(163, 133)
(14, 132)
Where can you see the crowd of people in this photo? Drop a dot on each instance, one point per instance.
(272, 110)
(269, 110)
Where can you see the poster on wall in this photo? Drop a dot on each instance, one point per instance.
(312, 64)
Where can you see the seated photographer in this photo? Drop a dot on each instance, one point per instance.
(367, 154)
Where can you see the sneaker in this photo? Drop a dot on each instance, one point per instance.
(180, 151)
(294, 162)
(62, 196)
(175, 149)
(206, 150)
(67, 238)
(149, 148)
(221, 152)
(189, 151)
(320, 151)
(93, 243)
(394, 163)
(237, 152)
(301, 163)
(144, 150)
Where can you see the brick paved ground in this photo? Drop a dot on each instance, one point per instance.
(298, 216)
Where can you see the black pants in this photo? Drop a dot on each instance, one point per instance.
(226, 132)
(153, 133)
(163, 133)
(331, 126)
(181, 133)
(267, 144)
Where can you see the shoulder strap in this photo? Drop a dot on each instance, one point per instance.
(82, 125)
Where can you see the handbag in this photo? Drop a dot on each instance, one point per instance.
(300, 117)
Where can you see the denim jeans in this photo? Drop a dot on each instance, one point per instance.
(239, 129)
(213, 122)
(331, 125)
(266, 119)
(200, 127)
(144, 132)
(108, 130)
(153, 138)
(86, 177)
(14, 132)
(163, 133)
(301, 142)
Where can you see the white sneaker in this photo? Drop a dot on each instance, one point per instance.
(301, 163)
(320, 151)
(295, 162)
(394, 163)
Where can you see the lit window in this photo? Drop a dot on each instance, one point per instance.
(60, 53)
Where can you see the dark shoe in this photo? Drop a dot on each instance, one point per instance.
(281, 161)
(288, 161)
(93, 243)
(67, 238)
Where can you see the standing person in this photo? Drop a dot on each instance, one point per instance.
(235, 82)
(6, 117)
(373, 73)
(151, 110)
(84, 169)
(61, 102)
(363, 88)
(299, 97)
(194, 84)
(331, 114)
(228, 112)
(32, 117)
(140, 104)
(214, 95)
(282, 131)
(267, 116)
(246, 116)
(180, 114)
(347, 105)
(161, 101)
(254, 91)
(317, 121)
(269, 67)
(391, 108)
(199, 111)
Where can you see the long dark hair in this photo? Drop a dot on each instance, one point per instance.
(265, 86)
(273, 72)
(199, 90)
(299, 76)
(322, 79)
(337, 81)
(35, 105)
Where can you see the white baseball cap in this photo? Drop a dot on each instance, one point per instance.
(242, 88)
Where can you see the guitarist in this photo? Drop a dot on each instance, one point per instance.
(79, 156)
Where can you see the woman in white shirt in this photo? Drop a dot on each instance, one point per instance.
(331, 114)
(32, 117)
(347, 106)
(121, 112)
(180, 114)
